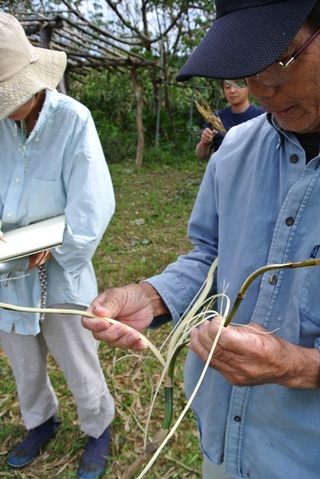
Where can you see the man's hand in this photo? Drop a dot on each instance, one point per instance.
(203, 148)
(207, 136)
(133, 305)
(250, 355)
(39, 258)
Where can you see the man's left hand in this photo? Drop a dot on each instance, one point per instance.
(250, 355)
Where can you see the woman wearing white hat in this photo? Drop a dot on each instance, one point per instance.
(51, 164)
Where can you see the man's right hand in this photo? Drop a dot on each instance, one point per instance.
(208, 135)
(133, 306)
(203, 148)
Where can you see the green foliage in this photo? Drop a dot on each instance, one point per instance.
(134, 28)
(110, 98)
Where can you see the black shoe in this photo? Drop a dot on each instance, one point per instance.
(94, 459)
(29, 448)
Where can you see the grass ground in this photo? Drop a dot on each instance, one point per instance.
(147, 231)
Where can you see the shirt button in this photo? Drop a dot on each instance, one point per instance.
(17, 180)
(289, 221)
(294, 159)
(9, 214)
(273, 279)
(237, 418)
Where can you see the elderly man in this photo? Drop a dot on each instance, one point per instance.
(258, 406)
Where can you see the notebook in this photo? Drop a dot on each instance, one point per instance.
(33, 238)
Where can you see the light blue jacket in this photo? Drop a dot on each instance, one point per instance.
(59, 169)
(258, 203)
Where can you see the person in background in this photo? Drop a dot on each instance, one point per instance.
(52, 163)
(238, 111)
(258, 405)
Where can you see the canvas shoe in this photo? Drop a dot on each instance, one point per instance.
(94, 459)
(30, 447)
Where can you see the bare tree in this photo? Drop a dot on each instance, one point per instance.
(123, 35)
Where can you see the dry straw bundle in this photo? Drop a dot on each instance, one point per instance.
(206, 112)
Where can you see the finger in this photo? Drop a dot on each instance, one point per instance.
(127, 341)
(196, 345)
(95, 324)
(224, 361)
(244, 340)
(117, 335)
(38, 259)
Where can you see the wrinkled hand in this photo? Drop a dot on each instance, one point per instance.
(130, 306)
(39, 258)
(20, 264)
(25, 263)
(246, 357)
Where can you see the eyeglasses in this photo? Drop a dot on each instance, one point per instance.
(285, 63)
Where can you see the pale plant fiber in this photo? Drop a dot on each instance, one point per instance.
(178, 338)
(198, 312)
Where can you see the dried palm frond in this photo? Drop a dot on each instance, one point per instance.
(206, 112)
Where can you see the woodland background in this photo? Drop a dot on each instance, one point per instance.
(123, 57)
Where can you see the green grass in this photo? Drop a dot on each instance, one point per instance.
(147, 232)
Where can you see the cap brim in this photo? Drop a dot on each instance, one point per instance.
(245, 42)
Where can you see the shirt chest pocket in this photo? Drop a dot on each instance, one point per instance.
(46, 198)
(309, 305)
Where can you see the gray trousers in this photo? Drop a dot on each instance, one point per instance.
(212, 471)
(76, 352)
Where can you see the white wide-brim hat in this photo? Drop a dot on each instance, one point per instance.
(24, 69)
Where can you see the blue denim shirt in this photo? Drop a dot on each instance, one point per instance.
(60, 168)
(259, 203)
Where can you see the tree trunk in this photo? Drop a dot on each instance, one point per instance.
(140, 129)
(46, 30)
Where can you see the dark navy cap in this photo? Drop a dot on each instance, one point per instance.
(246, 37)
